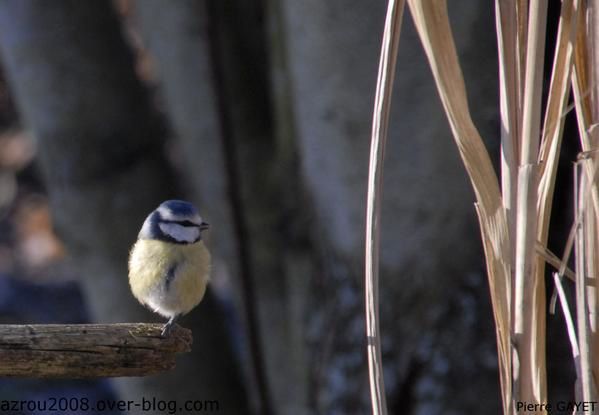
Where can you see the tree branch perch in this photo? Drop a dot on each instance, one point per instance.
(89, 350)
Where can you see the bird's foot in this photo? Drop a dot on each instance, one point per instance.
(166, 329)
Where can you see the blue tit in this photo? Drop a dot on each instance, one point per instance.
(169, 265)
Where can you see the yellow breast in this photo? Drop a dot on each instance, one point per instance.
(149, 264)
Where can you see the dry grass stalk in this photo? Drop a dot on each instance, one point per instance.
(587, 173)
(527, 193)
(432, 23)
(554, 261)
(582, 85)
(529, 297)
(559, 92)
(553, 128)
(380, 124)
(569, 320)
(585, 389)
(593, 35)
(522, 22)
(585, 87)
(529, 164)
(569, 325)
(529, 309)
(510, 101)
(591, 260)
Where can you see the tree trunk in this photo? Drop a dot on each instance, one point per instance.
(101, 153)
(432, 280)
(220, 105)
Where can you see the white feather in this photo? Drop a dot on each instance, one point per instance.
(180, 233)
(167, 214)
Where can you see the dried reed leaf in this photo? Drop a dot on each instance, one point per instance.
(433, 27)
(494, 235)
(380, 124)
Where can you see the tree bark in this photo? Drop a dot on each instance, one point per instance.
(78, 351)
(101, 152)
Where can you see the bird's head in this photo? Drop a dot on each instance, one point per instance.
(174, 221)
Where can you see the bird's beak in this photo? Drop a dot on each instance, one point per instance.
(204, 226)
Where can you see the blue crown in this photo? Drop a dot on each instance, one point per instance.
(179, 207)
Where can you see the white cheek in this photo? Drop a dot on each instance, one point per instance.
(165, 214)
(180, 233)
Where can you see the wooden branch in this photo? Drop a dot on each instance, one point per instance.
(89, 350)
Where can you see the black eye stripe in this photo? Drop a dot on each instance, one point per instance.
(185, 223)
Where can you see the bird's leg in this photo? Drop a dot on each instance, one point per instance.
(166, 329)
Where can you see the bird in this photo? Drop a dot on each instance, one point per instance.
(169, 264)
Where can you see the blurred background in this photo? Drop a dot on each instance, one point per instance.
(259, 112)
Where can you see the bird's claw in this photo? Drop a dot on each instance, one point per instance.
(166, 329)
